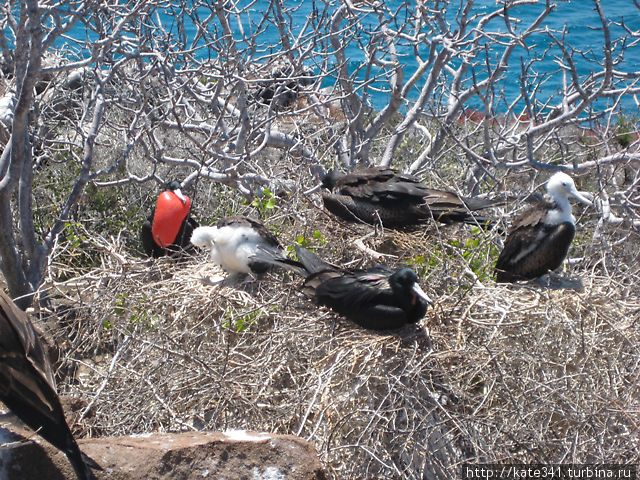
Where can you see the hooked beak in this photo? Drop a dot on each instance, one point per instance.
(180, 195)
(421, 294)
(580, 197)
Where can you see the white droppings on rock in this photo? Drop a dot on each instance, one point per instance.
(211, 455)
(243, 436)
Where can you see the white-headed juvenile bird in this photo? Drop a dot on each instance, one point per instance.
(539, 238)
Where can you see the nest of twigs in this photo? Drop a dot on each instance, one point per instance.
(493, 373)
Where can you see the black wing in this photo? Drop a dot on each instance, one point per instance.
(312, 262)
(381, 185)
(150, 247)
(397, 200)
(336, 181)
(337, 288)
(532, 248)
(19, 339)
(362, 296)
(531, 252)
(27, 386)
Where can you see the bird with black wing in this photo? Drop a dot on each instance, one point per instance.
(234, 243)
(27, 386)
(539, 238)
(168, 229)
(377, 298)
(381, 195)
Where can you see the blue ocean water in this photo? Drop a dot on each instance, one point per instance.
(578, 18)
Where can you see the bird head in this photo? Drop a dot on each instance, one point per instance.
(407, 280)
(174, 186)
(561, 185)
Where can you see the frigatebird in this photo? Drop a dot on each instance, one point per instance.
(27, 386)
(377, 195)
(170, 225)
(539, 238)
(376, 298)
(235, 242)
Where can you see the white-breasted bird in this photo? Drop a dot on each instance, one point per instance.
(236, 243)
(539, 238)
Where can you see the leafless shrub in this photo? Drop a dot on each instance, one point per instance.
(130, 98)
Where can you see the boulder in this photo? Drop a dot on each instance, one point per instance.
(232, 455)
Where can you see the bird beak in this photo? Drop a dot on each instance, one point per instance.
(580, 196)
(180, 195)
(421, 294)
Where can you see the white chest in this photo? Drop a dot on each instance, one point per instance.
(560, 214)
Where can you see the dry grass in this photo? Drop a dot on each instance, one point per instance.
(493, 373)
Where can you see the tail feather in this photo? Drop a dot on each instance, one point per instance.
(277, 259)
(477, 203)
(480, 221)
(312, 262)
(203, 237)
(466, 214)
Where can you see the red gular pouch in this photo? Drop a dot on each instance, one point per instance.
(169, 215)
